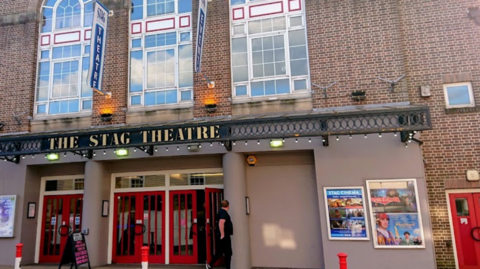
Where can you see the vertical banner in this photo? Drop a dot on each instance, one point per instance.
(346, 213)
(201, 23)
(395, 214)
(7, 215)
(97, 47)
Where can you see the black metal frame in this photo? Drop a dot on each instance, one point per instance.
(383, 120)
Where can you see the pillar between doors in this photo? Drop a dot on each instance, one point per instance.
(96, 189)
(235, 182)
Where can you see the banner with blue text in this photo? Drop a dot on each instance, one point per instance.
(97, 47)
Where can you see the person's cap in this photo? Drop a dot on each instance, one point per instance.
(382, 216)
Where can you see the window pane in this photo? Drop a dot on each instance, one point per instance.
(279, 24)
(257, 89)
(171, 97)
(283, 86)
(239, 59)
(184, 6)
(299, 67)
(269, 87)
(241, 90)
(239, 45)
(136, 71)
(136, 100)
(87, 105)
(300, 85)
(43, 81)
(136, 43)
(88, 14)
(47, 20)
(461, 205)
(41, 109)
(184, 37)
(296, 21)
(257, 71)
(298, 52)
(238, 29)
(186, 95)
(297, 37)
(240, 73)
(458, 95)
(68, 14)
(137, 10)
(73, 106)
(237, 2)
(149, 99)
(267, 25)
(86, 90)
(255, 27)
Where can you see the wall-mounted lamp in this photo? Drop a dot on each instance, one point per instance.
(106, 116)
(121, 152)
(53, 156)
(358, 95)
(210, 108)
(276, 143)
(247, 205)
(194, 147)
(474, 13)
(1, 125)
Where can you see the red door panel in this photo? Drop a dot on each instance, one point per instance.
(465, 214)
(138, 221)
(183, 228)
(62, 215)
(213, 197)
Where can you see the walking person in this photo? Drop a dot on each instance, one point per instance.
(224, 230)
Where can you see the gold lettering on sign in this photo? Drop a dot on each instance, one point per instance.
(145, 136)
(125, 138)
(104, 139)
(115, 139)
(93, 141)
(180, 134)
(63, 142)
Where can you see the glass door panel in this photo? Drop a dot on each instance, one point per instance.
(183, 228)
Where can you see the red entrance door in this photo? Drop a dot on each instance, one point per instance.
(139, 220)
(213, 197)
(183, 228)
(62, 215)
(465, 208)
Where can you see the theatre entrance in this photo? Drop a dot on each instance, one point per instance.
(62, 215)
(182, 218)
(465, 209)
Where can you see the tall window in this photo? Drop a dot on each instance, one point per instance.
(269, 56)
(63, 58)
(161, 60)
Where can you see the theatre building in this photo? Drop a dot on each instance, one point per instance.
(329, 126)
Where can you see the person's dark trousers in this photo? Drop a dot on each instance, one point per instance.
(224, 248)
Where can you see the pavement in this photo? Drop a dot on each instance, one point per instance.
(113, 266)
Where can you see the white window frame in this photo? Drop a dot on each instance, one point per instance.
(470, 94)
(52, 62)
(251, 79)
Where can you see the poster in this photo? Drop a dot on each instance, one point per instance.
(395, 214)
(346, 213)
(7, 215)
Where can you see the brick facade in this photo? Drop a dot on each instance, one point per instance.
(352, 42)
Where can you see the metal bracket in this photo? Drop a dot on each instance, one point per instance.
(324, 88)
(392, 82)
(228, 145)
(84, 153)
(325, 142)
(147, 149)
(12, 159)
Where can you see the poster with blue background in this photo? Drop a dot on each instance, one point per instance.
(346, 213)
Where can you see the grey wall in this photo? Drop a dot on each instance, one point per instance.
(284, 220)
(350, 162)
(12, 182)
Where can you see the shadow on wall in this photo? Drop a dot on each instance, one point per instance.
(276, 236)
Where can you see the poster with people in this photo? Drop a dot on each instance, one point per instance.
(395, 214)
(7, 215)
(346, 213)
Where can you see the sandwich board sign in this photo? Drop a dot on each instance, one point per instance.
(75, 252)
(98, 44)
(202, 21)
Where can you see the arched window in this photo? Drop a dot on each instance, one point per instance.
(63, 58)
(161, 57)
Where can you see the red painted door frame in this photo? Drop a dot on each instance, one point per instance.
(139, 220)
(183, 228)
(465, 209)
(56, 226)
(213, 198)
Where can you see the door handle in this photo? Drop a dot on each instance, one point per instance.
(69, 230)
(135, 229)
(473, 235)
